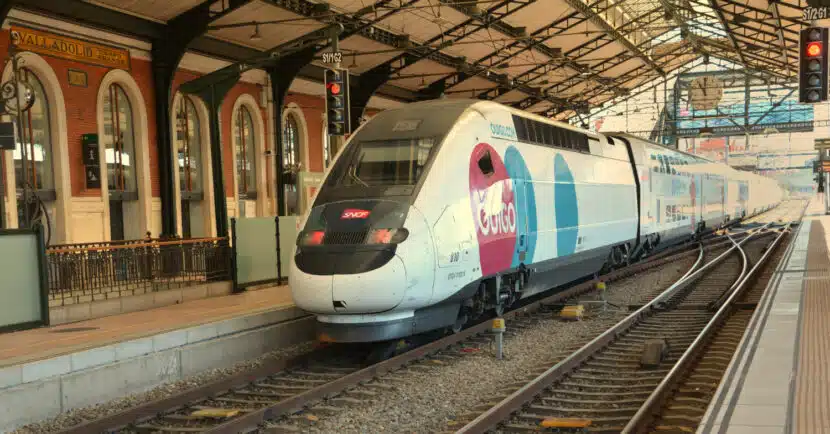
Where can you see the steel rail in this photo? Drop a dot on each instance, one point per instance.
(297, 402)
(651, 406)
(502, 410)
(173, 402)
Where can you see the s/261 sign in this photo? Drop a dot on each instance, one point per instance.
(812, 14)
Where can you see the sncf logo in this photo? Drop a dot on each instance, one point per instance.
(354, 214)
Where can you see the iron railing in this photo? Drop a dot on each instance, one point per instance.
(95, 271)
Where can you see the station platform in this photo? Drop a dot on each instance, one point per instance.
(50, 370)
(779, 379)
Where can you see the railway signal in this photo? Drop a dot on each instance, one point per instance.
(337, 101)
(812, 77)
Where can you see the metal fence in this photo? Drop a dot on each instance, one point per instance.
(94, 271)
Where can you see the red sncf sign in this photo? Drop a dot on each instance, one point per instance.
(354, 214)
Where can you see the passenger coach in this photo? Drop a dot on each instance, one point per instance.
(438, 211)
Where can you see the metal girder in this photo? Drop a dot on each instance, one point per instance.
(632, 74)
(361, 90)
(305, 8)
(167, 52)
(774, 106)
(587, 48)
(713, 4)
(491, 18)
(96, 16)
(536, 39)
(608, 28)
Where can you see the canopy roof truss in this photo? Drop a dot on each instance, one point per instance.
(557, 58)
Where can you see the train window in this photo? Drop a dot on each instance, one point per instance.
(485, 164)
(521, 128)
(548, 134)
(386, 162)
(532, 131)
(653, 157)
(580, 142)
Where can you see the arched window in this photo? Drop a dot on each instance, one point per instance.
(36, 140)
(290, 142)
(189, 147)
(119, 141)
(245, 158)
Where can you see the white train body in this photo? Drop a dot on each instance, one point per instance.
(445, 208)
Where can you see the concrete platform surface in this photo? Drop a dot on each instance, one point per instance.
(51, 370)
(779, 379)
(42, 343)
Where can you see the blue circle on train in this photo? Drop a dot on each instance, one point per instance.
(525, 206)
(566, 208)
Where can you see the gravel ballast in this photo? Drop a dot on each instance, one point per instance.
(429, 396)
(81, 415)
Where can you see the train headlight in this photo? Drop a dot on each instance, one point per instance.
(387, 236)
(313, 238)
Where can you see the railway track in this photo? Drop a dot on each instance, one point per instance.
(604, 388)
(243, 402)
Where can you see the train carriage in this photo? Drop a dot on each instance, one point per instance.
(436, 212)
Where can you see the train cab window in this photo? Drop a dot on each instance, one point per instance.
(385, 162)
(485, 164)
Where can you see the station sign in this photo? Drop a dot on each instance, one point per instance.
(90, 149)
(821, 143)
(93, 177)
(734, 130)
(64, 47)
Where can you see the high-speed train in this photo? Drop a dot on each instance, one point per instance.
(441, 210)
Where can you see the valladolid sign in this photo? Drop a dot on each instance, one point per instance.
(26, 39)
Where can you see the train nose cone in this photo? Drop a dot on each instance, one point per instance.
(374, 291)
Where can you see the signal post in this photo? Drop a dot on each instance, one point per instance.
(823, 148)
(338, 106)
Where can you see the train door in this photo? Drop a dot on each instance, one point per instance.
(523, 188)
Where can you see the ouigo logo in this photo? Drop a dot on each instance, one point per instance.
(493, 204)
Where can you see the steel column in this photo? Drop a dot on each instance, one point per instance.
(282, 74)
(167, 51)
(213, 95)
(163, 72)
(5, 7)
(361, 90)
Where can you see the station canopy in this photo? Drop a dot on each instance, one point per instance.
(557, 58)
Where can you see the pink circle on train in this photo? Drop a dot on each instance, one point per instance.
(494, 210)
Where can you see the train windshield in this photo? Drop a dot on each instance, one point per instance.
(385, 162)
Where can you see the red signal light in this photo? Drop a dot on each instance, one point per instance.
(334, 88)
(814, 49)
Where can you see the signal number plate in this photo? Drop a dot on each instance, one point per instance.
(812, 14)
